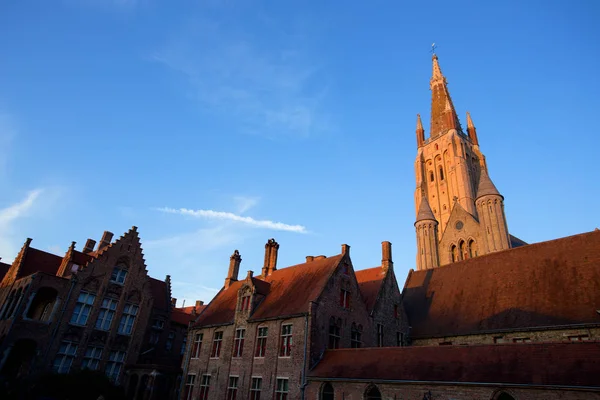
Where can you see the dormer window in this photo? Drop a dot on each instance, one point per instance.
(245, 303)
(119, 274)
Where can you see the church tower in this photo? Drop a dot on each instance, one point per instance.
(453, 187)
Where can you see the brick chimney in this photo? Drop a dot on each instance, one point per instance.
(173, 301)
(346, 249)
(310, 258)
(271, 249)
(89, 246)
(386, 256)
(234, 268)
(105, 241)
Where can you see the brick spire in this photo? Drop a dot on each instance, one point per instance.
(420, 132)
(471, 130)
(443, 114)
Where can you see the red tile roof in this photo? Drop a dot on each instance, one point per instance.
(39, 261)
(542, 284)
(369, 282)
(180, 316)
(573, 364)
(81, 259)
(289, 292)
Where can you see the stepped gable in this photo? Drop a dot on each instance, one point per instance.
(369, 282)
(287, 292)
(569, 364)
(527, 287)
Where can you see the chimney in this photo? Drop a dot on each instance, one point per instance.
(309, 259)
(89, 246)
(105, 241)
(173, 301)
(250, 275)
(320, 257)
(345, 249)
(271, 249)
(386, 256)
(234, 268)
(199, 303)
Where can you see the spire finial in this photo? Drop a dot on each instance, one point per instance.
(469, 121)
(471, 131)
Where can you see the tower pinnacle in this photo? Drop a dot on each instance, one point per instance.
(443, 114)
(420, 132)
(471, 130)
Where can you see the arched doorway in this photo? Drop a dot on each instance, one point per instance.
(42, 304)
(503, 396)
(373, 393)
(327, 392)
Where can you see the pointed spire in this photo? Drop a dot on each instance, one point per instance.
(486, 186)
(425, 212)
(420, 132)
(471, 130)
(443, 114)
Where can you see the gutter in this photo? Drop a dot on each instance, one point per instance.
(445, 383)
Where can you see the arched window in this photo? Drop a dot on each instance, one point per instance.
(503, 396)
(327, 392)
(431, 176)
(454, 253)
(373, 393)
(472, 248)
(441, 173)
(463, 250)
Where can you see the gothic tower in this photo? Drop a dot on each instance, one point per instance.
(453, 187)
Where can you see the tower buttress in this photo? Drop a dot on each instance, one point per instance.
(490, 207)
(427, 237)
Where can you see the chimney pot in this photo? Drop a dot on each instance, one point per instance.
(321, 257)
(199, 303)
(250, 275)
(271, 250)
(345, 249)
(89, 246)
(105, 241)
(234, 268)
(173, 301)
(309, 258)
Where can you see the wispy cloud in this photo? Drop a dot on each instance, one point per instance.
(264, 78)
(222, 215)
(245, 203)
(9, 216)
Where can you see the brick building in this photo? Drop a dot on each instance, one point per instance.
(260, 335)
(91, 309)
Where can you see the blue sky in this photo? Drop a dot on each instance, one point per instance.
(285, 119)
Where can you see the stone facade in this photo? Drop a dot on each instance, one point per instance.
(453, 182)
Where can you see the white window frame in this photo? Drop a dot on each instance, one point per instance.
(92, 358)
(119, 274)
(83, 308)
(114, 364)
(286, 341)
(128, 318)
(65, 356)
(280, 392)
(238, 342)
(255, 392)
(106, 314)
(197, 346)
(189, 386)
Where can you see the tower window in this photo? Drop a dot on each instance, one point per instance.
(472, 248)
(463, 250)
(454, 253)
(441, 174)
(431, 176)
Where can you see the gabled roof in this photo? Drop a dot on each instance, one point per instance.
(181, 317)
(289, 292)
(538, 285)
(486, 186)
(160, 293)
(39, 261)
(369, 282)
(572, 364)
(425, 212)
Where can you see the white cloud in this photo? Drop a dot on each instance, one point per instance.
(270, 86)
(221, 215)
(245, 203)
(9, 216)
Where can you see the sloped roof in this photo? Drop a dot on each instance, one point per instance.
(80, 258)
(289, 292)
(39, 261)
(160, 293)
(425, 212)
(180, 316)
(572, 364)
(486, 186)
(549, 283)
(369, 282)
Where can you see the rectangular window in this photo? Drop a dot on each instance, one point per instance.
(154, 337)
(232, 388)
(127, 319)
(286, 341)
(399, 339)
(183, 345)
(114, 365)
(106, 314)
(379, 335)
(261, 343)
(204, 387)
(92, 358)
(281, 391)
(579, 338)
(158, 324)
(255, 388)
(521, 340)
(355, 338)
(334, 336)
(238, 344)
(118, 275)
(499, 339)
(170, 339)
(64, 357)
(345, 298)
(82, 308)
(245, 303)
(189, 386)
(216, 350)
(197, 345)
